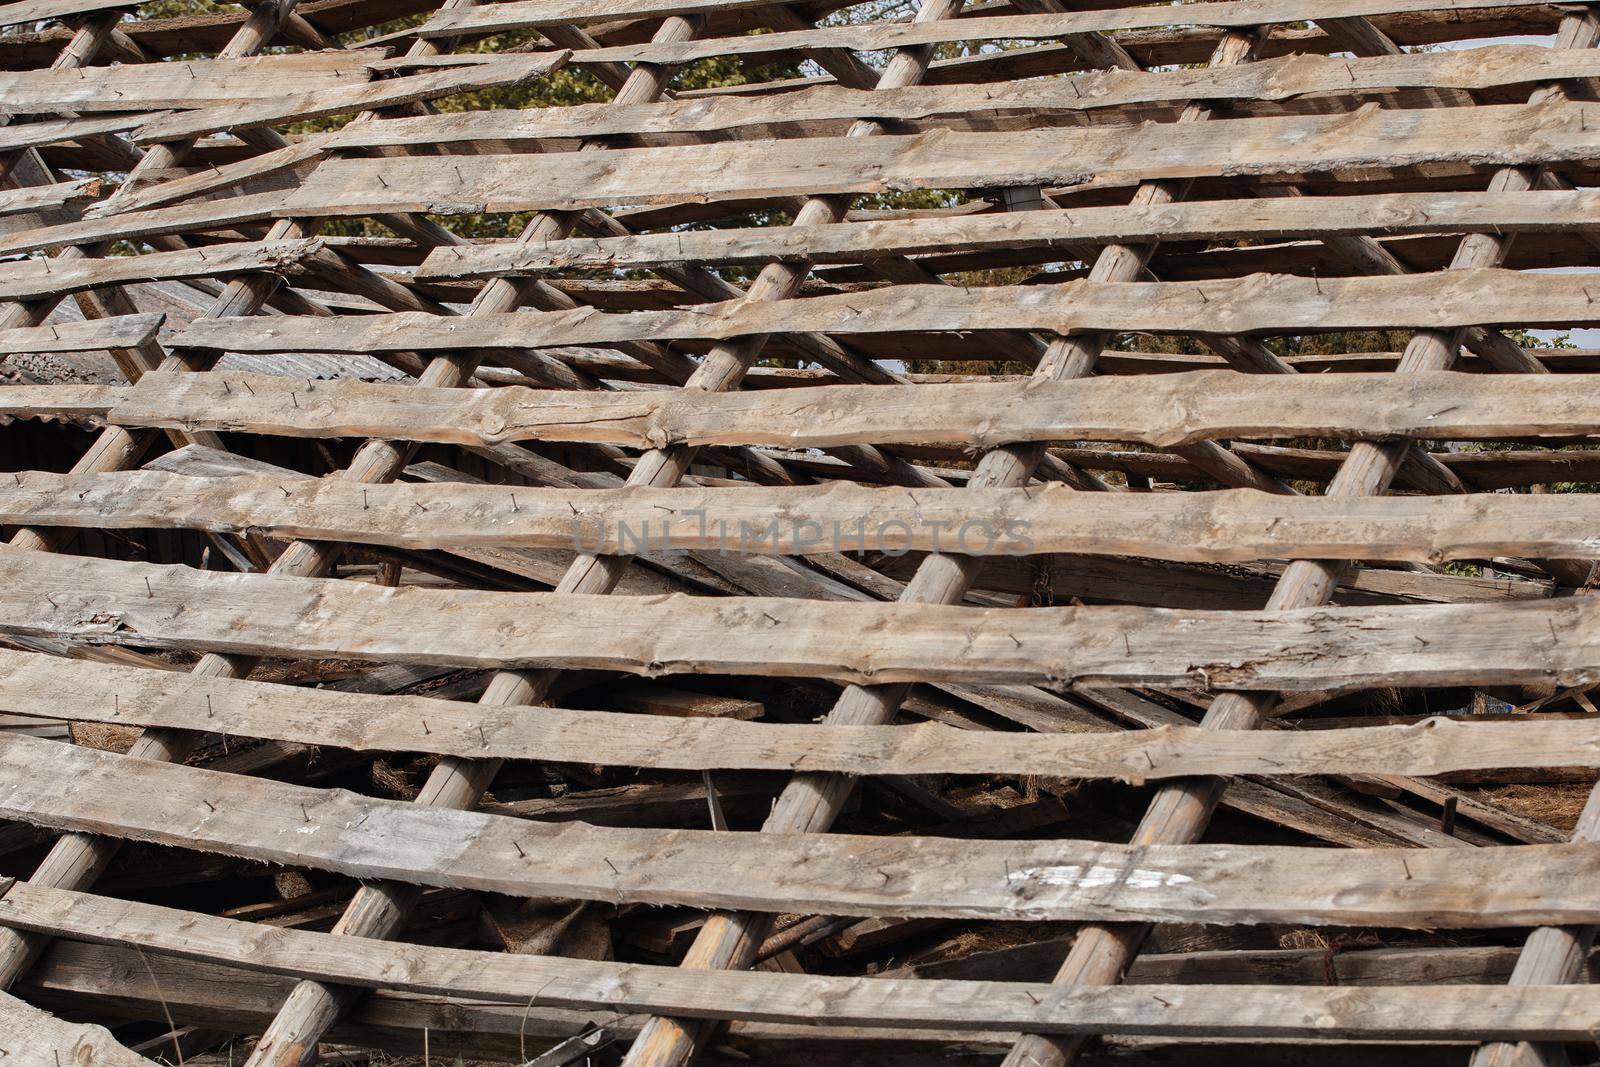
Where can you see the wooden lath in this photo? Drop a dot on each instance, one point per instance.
(633, 639)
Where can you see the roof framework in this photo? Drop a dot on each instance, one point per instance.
(613, 636)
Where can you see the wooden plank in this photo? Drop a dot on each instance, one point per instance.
(534, 14)
(1482, 470)
(24, 11)
(32, 401)
(120, 331)
(43, 197)
(1549, 132)
(20, 135)
(185, 83)
(1189, 1010)
(1284, 78)
(195, 215)
(82, 691)
(1423, 965)
(1045, 231)
(1257, 303)
(34, 1038)
(504, 72)
(530, 14)
(1236, 525)
(75, 975)
(63, 786)
(35, 278)
(107, 602)
(1163, 410)
(191, 187)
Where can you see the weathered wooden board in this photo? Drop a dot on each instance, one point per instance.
(64, 786)
(505, 72)
(1236, 525)
(1481, 470)
(1190, 1010)
(81, 691)
(44, 197)
(30, 401)
(1282, 78)
(530, 14)
(1163, 410)
(215, 180)
(941, 159)
(34, 1038)
(195, 215)
(876, 36)
(20, 135)
(180, 83)
(77, 975)
(1256, 303)
(34, 278)
(537, 13)
(106, 602)
(1054, 232)
(121, 331)
(25, 11)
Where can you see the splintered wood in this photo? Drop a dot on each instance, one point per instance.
(657, 532)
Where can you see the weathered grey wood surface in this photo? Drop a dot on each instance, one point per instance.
(1046, 231)
(101, 601)
(941, 159)
(1283, 78)
(33, 1038)
(1236, 525)
(34, 278)
(77, 975)
(25, 11)
(44, 197)
(22, 401)
(179, 218)
(71, 787)
(505, 72)
(1266, 303)
(50, 688)
(120, 331)
(1264, 1011)
(533, 14)
(1164, 410)
(525, 14)
(220, 181)
(184, 83)
(22, 135)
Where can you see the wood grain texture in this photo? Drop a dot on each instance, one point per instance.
(1279, 79)
(33, 1038)
(1162, 410)
(120, 331)
(25, 11)
(1550, 132)
(35, 278)
(71, 787)
(1215, 1011)
(50, 688)
(44, 197)
(1045, 231)
(179, 218)
(107, 602)
(505, 72)
(1256, 303)
(525, 14)
(18, 136)
(1236, 525)
(184, 83)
